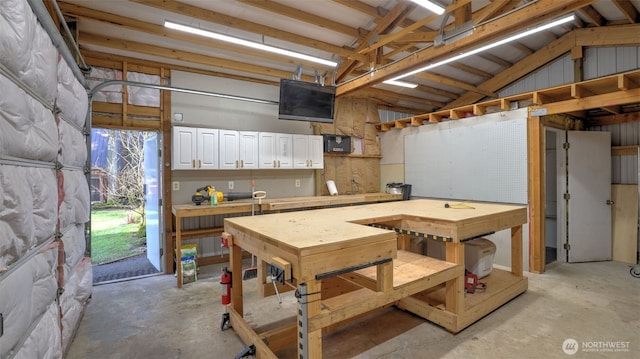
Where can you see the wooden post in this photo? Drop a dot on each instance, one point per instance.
(516, 251)
(235, 259)
(404, 242)
(536, 164)
(384, 277)
(178, 255)
(454, 291)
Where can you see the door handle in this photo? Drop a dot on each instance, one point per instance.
(610, 202)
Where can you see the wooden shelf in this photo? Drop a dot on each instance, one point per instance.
(625, 150)
(350, 155)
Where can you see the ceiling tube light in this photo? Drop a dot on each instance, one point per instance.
(251, 44)
(401, 84)
(430, 5)
(489, 46)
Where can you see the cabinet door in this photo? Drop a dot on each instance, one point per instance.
(183, 156)
(284, 150)
(207, 153)
(229, 149)
(316, 152)
(248, 151)
(267, 148)
(300, 151)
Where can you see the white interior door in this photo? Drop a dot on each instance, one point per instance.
(152, 208)
(587, 166)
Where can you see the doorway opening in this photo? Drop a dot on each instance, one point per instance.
(125, 204)
(551, 196)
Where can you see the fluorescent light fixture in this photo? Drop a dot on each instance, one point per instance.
(400, 83)
(430, 5)
(490, 46)
(254, 45)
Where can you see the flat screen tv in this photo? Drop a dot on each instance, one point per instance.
(306, 101)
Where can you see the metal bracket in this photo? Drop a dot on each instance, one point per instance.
(226, 322)
(567, 246)
(567, 196)
(303, 322)
(352, 269)
(566, 145)
(248, 351)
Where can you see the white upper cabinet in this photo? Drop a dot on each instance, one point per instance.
(308, 151)
(276, 150)
(238, 149)
(194, 148)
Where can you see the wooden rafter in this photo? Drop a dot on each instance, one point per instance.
(593, 16)
(628, 10)
(399, 12)
(127, 45)
(159, 30)
(534, 14)
(494, 9)
(212, 16)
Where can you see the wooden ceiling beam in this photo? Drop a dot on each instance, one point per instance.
(470, 69)
(494, 9)
(138, 47)
(520, 46)
(448, 81)
(593, 16)
(399, 12)
(159, 30)
(627, 9)
(538, 12)
(495, 59)
(592, 36)
(241, 24)
(385, 39)
(304, 16)
(94, 57)
(389, 95)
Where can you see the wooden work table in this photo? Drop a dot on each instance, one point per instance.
(358, 250)
(268, 205)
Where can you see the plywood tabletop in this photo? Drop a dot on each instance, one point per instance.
(339, 226)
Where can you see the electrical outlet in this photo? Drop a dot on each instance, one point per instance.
(297, 183)
(231, 184)
(175, 185)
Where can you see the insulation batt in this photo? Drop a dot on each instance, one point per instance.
(73, 100)
(25, 294)
(27, 129)
(111, 94)
(33, 56)
(28, 199)
(76, 292)
(73, 148)
(143, 96)
(45, 341)
(74, 247)
(75, 205)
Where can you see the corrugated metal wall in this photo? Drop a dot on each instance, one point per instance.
(604, 61)
(624, 168)
(557, 73)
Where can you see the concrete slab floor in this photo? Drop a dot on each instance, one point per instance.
(592, 303)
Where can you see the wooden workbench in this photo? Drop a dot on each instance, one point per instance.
(269, 205)
(345, 246)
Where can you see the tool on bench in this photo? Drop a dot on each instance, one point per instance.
(207, 194)
(471, 283)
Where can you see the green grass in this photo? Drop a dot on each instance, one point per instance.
(112, 238)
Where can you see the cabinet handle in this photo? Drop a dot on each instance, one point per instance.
(199, 163)
(274, 164)
(193, 163)
(236, 163)
(241, 163)
(278, 163)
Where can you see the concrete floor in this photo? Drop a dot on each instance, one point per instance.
(592, 303)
